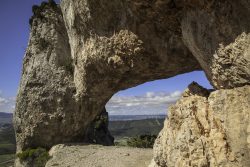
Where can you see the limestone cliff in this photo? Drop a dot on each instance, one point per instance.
(217, 34)
(81, 52)
(206, 128)
(46, 107)
(79, 55)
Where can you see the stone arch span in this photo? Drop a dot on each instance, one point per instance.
(82, 52)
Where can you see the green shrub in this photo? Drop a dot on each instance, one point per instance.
(34, 157)
(52, 2)
(142, 141)
(100, 122)
(37, 10)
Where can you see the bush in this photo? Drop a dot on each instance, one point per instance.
(37, 10)
(142, 141)
(34, 157)
(52, 2)
(100, 122)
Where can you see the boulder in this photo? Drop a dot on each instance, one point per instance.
(206, 129)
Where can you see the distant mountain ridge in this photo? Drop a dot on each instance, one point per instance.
(5, 115)
(134, 117)
(132, 128)
(5, 118)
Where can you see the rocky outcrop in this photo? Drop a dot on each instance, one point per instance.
(206, 128)
(79, 55)
(82, 52)
(231, 63)
(46, 107)
(217, 34)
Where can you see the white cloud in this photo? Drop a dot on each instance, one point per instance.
(150, 103)
(3, 101)
(7, 104)
(150, 94)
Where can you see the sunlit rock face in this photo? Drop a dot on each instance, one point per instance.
(46, 107)
(206, 128)
(82, 52)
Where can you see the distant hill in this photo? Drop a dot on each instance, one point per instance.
(5, 115)
(7, 144)
(132, 128)
(134, 117)
(5, 118)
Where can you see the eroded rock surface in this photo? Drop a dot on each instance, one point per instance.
(205, 129)
(46, 107)
(217, 33)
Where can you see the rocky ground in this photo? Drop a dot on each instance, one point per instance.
(98, 156)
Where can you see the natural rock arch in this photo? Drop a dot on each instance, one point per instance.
(84, 51)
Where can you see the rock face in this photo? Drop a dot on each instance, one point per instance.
(82, 52)
(231, 63)
(217, 34)
(206, 129)
(46, 107)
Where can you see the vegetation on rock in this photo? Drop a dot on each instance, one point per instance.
(98, 132)
(37, 10)
(34, 157)
(142, 141)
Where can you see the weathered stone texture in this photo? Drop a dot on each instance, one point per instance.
(206, 130)
(231, 63)
(45, 100)
(217, 34)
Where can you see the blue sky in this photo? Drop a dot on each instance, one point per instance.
(14, 34)
(153, 97)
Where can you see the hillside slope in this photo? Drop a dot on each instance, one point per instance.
(5, 118)
(134, 128)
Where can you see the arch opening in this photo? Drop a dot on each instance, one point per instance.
(141, 110)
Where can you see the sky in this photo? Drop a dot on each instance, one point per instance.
(149, 98)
